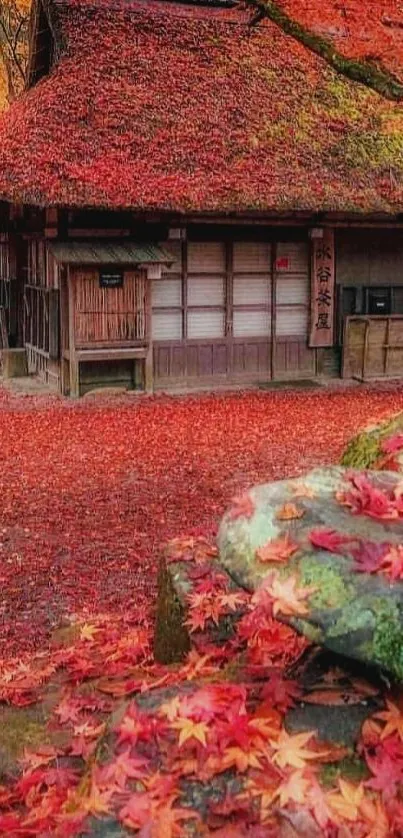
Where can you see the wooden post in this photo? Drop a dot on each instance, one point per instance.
(73, 363)
(185, 302)
(229, 307)
(149, 361)
(63, 327)
(387, 341)
(273, 310)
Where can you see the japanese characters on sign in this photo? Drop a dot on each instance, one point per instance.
(322, 290)
(111, 278)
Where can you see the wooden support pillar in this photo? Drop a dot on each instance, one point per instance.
(273, 311)
(149, 361)
(74, 367)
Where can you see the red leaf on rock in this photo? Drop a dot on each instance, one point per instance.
(368, 556)
(328, 539)
(366, 499)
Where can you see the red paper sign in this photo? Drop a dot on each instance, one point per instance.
(322, 290)
(282, 263)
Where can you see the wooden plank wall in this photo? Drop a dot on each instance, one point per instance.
(373, 347)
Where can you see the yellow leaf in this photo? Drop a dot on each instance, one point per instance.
(289, 750)
(347, 801)
(88, 632)
(191, 730)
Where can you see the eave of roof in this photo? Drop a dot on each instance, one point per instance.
(109, 252)
(184, 109)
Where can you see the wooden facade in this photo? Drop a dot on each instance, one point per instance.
(235, 310)
(227, 304)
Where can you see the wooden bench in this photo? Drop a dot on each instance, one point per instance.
(134, 353)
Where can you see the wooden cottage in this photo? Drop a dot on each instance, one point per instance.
(187, 199)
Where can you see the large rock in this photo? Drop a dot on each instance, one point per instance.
(358, 614)
(378, 447)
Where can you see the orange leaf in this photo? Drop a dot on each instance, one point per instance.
(289, 512)
(277, 550)
(393, 718)
(288, 599)
(240, 759)
(333, 698)
(301, 490)
(370, 733)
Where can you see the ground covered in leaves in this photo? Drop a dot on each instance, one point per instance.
(94, 734)
(90, 491)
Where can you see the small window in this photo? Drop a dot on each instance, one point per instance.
(378, 301)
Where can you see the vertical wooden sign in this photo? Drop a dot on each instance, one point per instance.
(322, 290)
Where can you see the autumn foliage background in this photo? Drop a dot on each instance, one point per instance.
(14, 16)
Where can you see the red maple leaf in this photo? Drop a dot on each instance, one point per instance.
(392, 562)
(137, 810)
(124, 767)
(327, 539)
(368, 556)
(281, 692)
(366, 499)
(387, 772)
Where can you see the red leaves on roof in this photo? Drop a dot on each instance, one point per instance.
(157, 105)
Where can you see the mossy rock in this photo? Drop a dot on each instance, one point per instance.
(171, 636)
(364, 451)
(24, 728)
(356, 614)
(178, 577)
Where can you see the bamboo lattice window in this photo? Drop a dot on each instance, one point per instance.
(109, 316)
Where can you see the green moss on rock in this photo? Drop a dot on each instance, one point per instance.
(388, 644)
(364, 450)
(171, 637)
(333, 590)
(351, 768)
